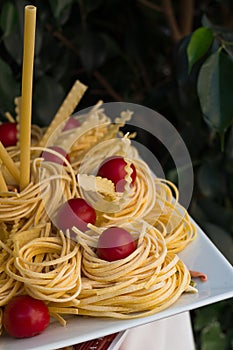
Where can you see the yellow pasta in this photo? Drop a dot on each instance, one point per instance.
(38, 259)
(1, 325)
(9, 287)
(48, 266)
(145, 282)
(3, 185)
(65, 110)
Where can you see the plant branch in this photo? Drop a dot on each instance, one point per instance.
(58, 35)
(101, 79)
(151, 5)
(187, 14)
(171, 20)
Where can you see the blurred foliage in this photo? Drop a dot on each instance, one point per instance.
(170, 56)
(213, 325)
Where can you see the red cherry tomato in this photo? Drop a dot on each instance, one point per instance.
(75, 212)
(113, 168)
(25, 316)
(8, 134)
(50, 157)
(71, 124)
(115, 243)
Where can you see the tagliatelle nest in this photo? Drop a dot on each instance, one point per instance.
(48, 266)
(146, 281)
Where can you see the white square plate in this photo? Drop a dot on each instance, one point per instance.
(200, 255)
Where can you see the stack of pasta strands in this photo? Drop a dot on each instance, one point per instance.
(38, 259)
(147, 281)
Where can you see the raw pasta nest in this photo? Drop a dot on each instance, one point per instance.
(146, 281)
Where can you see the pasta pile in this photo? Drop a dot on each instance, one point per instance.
(147, 281)
(38, 259)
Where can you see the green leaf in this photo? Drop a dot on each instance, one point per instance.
(91, 5)
(8, 18)
(221, 238)
(14, 45)
(199, 44)
(112, 47)
(206, 315)
(47, 98)
(212, 337)
(14, 41)
(59, 7)
(9, 87)
(93, 50)
(211, 179)
(215, 91)
(217, 213)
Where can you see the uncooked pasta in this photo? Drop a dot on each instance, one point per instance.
(50, 184)
(47, 265)
(146, 281)
(63, 268)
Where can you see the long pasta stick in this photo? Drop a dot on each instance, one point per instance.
(3, 186)
(9, 163)
(9, 117)
(65, 110)
(27, 77)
